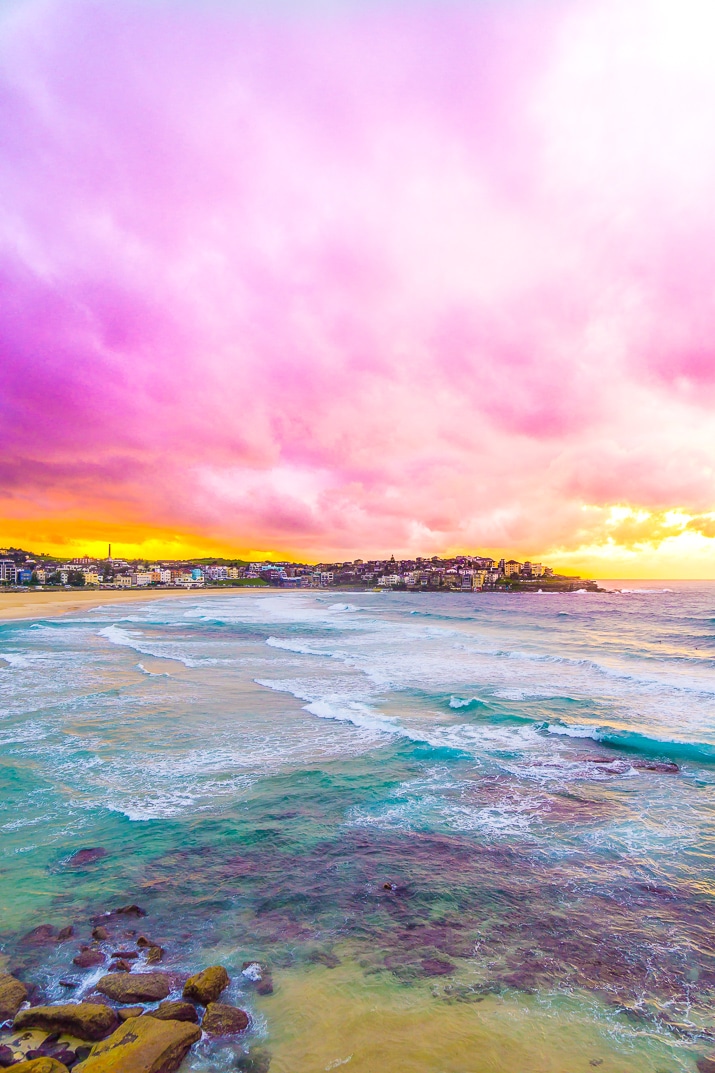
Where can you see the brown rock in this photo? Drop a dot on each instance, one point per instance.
(706, 1065)
(223, 1020)
(143, 941)
(65, 933)
(175, 1011)
(125, 955)
(264, 986)
(99, 1000)
(142, 1045)
(154, 955)
(132, 987)
(12, 996)
(206, 986)
(88, 958)
(99, 933)
(40, 936)
(67, 1056)
(40, 1065)
(130, 911)
(85, 1020)
(86, 856)
(121, 966)
(6, 1056)
(130, 1011)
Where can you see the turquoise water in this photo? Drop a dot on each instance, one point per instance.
(258, 767)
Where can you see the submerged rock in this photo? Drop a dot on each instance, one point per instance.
(663, 767)
(65, 933)
(142, 1045)
(12, 996)
(85, 1020)
(131, 987)
(99, 933)
(40, 936)
(41, 1065)
(436, 967)
(223, 1020)
(707, 1065)
(175, 1011)
(86, 856)
(254, 1062)
(206, 986)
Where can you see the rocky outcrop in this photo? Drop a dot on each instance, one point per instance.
(40, 1065)
(142, 1045)
(223, 1020)
(206, 986)
(175, 1011)
(12, 996)
(85, 1020)
(131, 987)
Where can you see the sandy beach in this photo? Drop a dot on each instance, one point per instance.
(23, 605)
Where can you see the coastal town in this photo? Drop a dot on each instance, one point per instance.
(460, 573)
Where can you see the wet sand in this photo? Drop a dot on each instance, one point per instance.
(45, 604)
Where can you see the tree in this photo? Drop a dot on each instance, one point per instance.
(75, 577)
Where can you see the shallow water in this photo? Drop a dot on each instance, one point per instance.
(443, 820)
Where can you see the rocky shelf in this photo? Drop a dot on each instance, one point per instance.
(133, 1018)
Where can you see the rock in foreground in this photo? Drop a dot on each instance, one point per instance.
(131, 987)
(223, 1020)
(85, 1020)
(206, 986)
(12, 996)
(175, 1011)
(142, 1045)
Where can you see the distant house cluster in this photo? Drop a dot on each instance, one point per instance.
(462, 573)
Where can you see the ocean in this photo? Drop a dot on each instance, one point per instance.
(463, 832)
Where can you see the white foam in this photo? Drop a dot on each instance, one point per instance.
(161, 650)
(153, 674)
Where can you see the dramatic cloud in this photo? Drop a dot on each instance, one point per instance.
(369, 277)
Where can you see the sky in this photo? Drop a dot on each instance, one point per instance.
(324, 280)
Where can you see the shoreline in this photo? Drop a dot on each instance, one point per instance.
(19, 605)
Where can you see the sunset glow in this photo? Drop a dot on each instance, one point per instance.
(328, 280)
